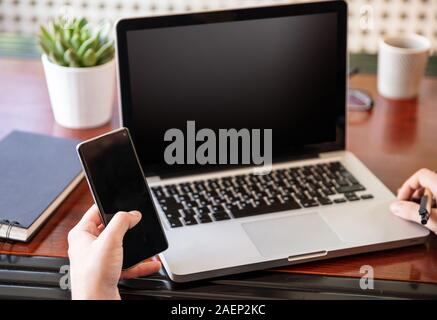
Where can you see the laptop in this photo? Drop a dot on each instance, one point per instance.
(281, 68)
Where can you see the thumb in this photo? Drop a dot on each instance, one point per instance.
(406, 209)
(410, 211)
(119, 225)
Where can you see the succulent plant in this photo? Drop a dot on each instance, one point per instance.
(76, 43)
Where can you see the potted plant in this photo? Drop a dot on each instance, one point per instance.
(79, 67)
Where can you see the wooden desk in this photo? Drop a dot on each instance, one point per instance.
(393, 140)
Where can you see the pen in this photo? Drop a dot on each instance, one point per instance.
(425, 206)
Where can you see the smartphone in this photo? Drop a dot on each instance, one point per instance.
(117, 183)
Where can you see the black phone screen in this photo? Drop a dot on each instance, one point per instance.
(118, 184)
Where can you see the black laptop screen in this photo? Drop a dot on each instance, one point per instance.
(279, 73)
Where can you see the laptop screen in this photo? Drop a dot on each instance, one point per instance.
(284, 73)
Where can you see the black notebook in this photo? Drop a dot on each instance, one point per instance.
(37, 172)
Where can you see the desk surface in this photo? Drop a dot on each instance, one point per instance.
(393, 140)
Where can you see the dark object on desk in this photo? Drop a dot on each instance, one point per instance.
(359, 100)
(425, 206)
(37, 172)
(353, 71)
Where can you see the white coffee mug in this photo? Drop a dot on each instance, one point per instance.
(401, 65)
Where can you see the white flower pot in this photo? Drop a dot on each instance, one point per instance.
(81, 97)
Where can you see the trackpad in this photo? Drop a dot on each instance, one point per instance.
(292, 235)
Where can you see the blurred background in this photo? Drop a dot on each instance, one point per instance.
(368, 19)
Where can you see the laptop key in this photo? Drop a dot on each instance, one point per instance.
(309, 203)
(175, 223)
(189, 221)
(231, 207)
(158, 192)
(353, 199)
(351, 196)
(188, 212)
(352, 188)
(324, 201)
(221, 215)
(204, 219)
(287, 205)
(250, 211)
(367, 196)
(202, 211)
(328, 192)
(190, 204)
(217, 208)
(170, 204)
(172, 214)
(342, 183)
(339, 200)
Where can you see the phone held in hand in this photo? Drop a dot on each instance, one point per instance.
(117, 182)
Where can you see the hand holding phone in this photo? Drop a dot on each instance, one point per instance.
(117, 183)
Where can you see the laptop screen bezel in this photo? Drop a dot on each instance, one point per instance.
(123, 26)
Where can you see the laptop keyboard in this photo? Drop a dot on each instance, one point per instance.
(233, 197)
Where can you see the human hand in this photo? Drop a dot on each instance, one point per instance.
(413, 188)
(96, 255)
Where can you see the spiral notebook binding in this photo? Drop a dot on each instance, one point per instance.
(9, 225)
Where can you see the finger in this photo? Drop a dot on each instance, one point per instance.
(141, 270)
(86, 230)
(89, 222)
(410, 211)
(119, 225)
(100, 228)
(418, 193)
(424, 178)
